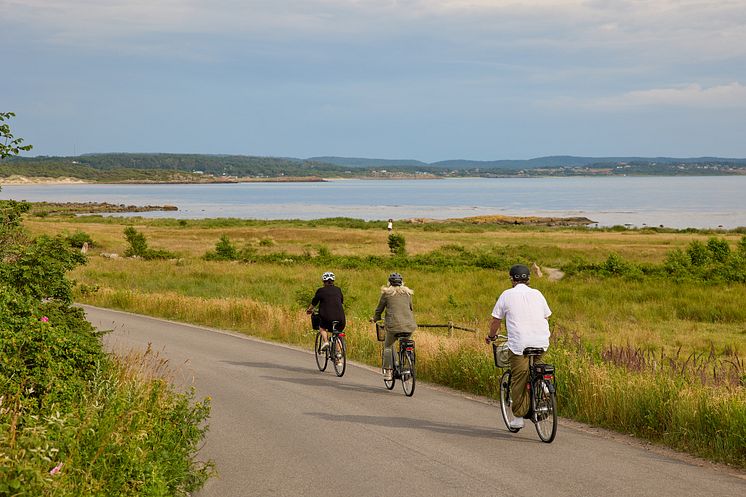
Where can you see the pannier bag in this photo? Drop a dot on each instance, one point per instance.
(315, 321)
(502, 355)
(545, 370)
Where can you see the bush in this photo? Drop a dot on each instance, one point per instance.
(224, 251)
(713, 262)
(79, 238)
(719, 249)
(397, 244)
(65, 406)
(698, 253)
(139, 246)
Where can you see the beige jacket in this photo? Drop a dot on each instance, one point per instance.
(397, 301)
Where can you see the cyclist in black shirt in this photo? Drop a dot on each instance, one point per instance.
(329, 299)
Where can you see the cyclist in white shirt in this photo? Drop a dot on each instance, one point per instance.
(525, 312)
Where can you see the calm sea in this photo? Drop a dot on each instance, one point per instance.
(680, 202)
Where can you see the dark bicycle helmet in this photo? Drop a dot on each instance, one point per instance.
(395, 279)
(519, 272)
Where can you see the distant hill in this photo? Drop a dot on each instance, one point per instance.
(517, 164)
(118, 167)
(358, 162)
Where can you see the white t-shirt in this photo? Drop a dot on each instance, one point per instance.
(525, 312)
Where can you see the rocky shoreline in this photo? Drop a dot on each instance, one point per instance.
(511, 220)
(61, 208)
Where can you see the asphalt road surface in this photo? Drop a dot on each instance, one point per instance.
(279, 427)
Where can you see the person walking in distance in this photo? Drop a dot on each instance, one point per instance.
(390, 226)
(525, 312)
(396, 301)
(330, 301)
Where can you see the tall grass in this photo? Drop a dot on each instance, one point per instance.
(704, 420)
(126, 433)
(631, 368)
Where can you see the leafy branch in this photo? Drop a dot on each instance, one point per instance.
(9, 145)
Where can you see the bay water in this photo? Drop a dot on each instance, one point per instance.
(678, 202)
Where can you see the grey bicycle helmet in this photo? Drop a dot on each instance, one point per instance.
(395, 279)
(328, 276)
(519, 272)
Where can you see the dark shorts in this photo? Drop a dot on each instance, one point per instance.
(327, 325)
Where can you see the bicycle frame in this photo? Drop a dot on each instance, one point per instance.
(405, 355)
(541, 388)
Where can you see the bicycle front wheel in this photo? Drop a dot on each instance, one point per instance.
(545, 410)
(506, 404)
(408, 375)
(322, 356)
(339, 356)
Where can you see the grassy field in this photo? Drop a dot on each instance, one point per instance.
(651, 356)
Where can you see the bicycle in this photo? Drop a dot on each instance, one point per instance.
(337, 350)
(542, 390)
(404, 368)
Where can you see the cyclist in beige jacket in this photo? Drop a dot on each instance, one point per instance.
(396, 300)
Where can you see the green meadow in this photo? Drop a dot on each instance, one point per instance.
(649, 326)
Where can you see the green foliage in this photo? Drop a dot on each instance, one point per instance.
(698, 253)
(138, 246)
(397, 244)
(719, 249)
(9, 145)
(224, 251)
(38, 269)
(711, 262)
(80, 238)
(71, 418)
(11, 232)
(266, 242)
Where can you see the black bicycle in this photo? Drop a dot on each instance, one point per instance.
(404, 368)
(542, 390)
(336, 351)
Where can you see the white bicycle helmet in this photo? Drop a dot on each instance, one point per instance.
(328, 276)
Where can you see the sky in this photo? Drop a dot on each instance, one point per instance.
(400, 79)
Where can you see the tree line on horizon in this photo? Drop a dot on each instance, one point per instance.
(114, 167)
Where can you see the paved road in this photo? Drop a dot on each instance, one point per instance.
(279, 427)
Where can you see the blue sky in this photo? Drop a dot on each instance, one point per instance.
(416, 79)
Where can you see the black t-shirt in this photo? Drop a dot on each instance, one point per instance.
(329, 299)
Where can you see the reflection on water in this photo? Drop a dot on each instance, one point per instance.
(670, 201)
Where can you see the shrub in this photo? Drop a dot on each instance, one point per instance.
(397, 244)
(719, 249)
(698, 253)
(79, 238)
(139, 246)
(224, 251)
(65, 404)
(38, 269)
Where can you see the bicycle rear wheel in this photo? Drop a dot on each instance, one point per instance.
(389, 383)
(322, 356)
(408, 375)
(545, 410)
(506, 404)
(339, 355)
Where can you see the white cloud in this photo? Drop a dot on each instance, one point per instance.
(690, 96)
